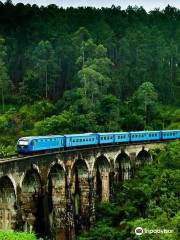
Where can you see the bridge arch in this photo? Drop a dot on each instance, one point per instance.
(100, 172)
(7, 203)
(57, 199)
(80, 193)
(31, 202)
(123, 168)
(143, 157)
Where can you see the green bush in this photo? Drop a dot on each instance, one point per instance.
(7, 235)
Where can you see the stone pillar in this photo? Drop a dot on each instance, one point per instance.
(8, 203)
(19, 219)
(45, 208)
(133, 163)
(105, 186)
(92, 196)
(111, 185)
(70, 228)
(57, 202)
(84, 200)
(126, 170)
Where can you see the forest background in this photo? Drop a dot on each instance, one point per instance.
(97, 70)
(87, 70)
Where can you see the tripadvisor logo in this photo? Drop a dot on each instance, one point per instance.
(139, 231)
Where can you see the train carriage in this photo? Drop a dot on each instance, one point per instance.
(75, 140)
(170, 134)
(105, 138)
(121, 137)
(145, 136)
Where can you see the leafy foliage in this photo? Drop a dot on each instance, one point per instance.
(151, 204)
(5, 235)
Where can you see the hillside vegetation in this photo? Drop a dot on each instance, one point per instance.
(87, 70)
(150, 200)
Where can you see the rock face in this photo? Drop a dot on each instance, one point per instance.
(55, 194)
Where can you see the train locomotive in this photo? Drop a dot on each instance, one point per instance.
(33, 144)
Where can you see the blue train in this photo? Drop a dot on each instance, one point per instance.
(28, 145)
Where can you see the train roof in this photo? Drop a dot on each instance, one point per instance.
(79, 134)
(145, 132)
(110, 133)
(39, 137)
(170, 130)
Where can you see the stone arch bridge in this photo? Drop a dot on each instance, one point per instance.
(55, 194)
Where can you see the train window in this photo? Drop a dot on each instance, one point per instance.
(174, 134)
(132, 136)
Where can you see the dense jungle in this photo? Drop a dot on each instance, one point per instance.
(80, 70)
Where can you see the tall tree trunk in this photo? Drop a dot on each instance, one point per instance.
(2, 94)
(46, 86)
